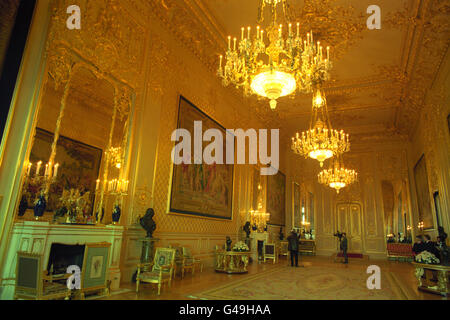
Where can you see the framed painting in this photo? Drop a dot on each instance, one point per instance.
(79, 166)
(296, 210)
(276, 199)
(423, 194)
(200, 189)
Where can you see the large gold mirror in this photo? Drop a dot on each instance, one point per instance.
(396, 213)
(77, 168)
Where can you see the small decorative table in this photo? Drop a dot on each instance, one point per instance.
(439, 283)
(307, 246)
(232, 262)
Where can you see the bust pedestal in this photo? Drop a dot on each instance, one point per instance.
(148, 249)
(255, 237)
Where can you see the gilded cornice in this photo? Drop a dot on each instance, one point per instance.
(110, 38)
(425, 24)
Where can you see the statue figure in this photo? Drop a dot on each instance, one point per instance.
(229, 244)
(281, 234)
(147, 222)
(247, 229)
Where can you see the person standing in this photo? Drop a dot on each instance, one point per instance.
(293, 248)
(344, 247)
(419, 246)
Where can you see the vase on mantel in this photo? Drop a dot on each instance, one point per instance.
(39, 207)
(116, 214)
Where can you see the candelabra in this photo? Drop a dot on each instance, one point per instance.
(420, 226)
(260, 219)
(114, 156)
(49, 176)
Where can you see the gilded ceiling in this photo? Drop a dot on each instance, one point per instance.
(379, 79)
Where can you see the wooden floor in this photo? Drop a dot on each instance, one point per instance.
(402, 272)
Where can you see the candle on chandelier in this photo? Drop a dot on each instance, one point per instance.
(248, 35)
(229, 42)
(262, 35)
(29, 169)
(234, 47)
(46, 170)
(38, 168)
(298, 29)
(312, 40)
(50, 169)
(307, 35)
(55, 172)
(242, 33)
(290, 29)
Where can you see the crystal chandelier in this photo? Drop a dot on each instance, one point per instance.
(276, 66)
(337, 177)
(320, 142)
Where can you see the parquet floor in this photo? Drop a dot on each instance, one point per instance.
(401, 272)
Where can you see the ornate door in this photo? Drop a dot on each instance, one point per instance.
(349, 221)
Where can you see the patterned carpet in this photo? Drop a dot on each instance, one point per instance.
(308, 283)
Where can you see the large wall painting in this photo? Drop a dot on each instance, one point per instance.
(79, 167)
(423, 194)
(276, 199)
(201, 189)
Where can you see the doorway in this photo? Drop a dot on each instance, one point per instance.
(349, 221)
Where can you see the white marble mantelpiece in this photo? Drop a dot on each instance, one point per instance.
(254, 238)
(37, 237)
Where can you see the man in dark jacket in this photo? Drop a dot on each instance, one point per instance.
(293, 247)
(419, 246)
(344, 247)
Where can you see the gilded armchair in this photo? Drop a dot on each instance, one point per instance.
(161, 269)
(190, 262)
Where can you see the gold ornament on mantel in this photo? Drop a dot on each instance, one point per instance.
(321, 141)
(286, 64)
(337, 176)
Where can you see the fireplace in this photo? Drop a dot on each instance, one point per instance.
(60, 246)
(62, 256)
(260, 249)
(258, 239)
